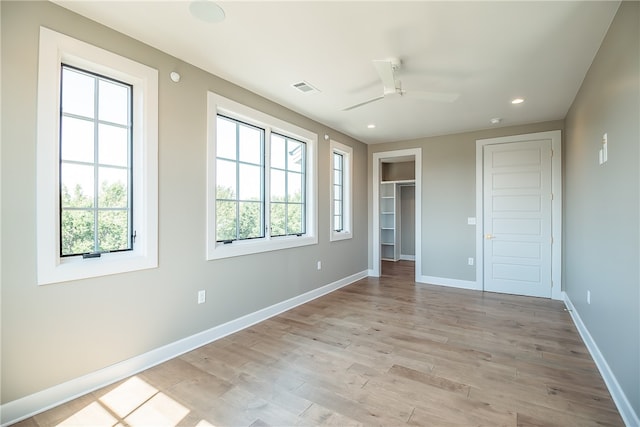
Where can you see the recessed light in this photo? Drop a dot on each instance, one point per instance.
(495, 120)
(371, 126)
(517, 101)
(206, 11)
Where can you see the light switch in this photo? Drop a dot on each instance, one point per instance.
(471, 221)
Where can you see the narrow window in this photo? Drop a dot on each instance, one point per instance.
(288, 185)
(239, 180)
(341, 192)
(95, 164)
(338, 192)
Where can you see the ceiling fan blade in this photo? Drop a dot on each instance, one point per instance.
(385, 71)
(435, 96)
(364, 103)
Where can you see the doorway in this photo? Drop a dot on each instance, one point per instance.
(519, 211)
(414, 155)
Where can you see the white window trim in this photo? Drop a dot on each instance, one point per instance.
(347, 196)
(216, 250)
(56, 48)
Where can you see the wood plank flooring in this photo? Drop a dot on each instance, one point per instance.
(382, 351)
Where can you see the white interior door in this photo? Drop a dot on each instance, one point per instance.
(517, 225)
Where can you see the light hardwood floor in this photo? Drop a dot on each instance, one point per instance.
(378, 352)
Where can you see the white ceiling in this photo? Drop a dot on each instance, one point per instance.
(487, 52)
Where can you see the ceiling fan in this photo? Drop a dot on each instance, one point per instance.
(386, 69)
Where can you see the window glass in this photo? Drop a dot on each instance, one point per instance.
(239, 180)
(113, 143)
(287, 186)
(78, 90)
(77, 145)
(95, 167)
(341, 202)
(338, 189)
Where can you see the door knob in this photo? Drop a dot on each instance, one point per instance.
(488, 236)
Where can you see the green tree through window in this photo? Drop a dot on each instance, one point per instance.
(240, 192)
(95, 163)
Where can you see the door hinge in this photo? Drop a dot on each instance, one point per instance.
(551, 196)
(551, 153)
(552, 240)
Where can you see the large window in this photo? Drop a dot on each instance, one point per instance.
(95, 164)
(341, 203)
(96, 161)
(261, 177)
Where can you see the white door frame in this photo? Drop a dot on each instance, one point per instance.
(375, 184)
(556, 204)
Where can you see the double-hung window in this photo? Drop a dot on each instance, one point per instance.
(96, 161)
(261, 176)
(341, 203)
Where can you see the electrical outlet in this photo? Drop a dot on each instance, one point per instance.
(202, 296)
(588, 297)
(470, 261)
(319, 265)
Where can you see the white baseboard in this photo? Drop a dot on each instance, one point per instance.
(629, 416)
(28, 406)
(407, 257)
(452, 283)
(371, 273)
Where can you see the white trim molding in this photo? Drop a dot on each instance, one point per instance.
(30, 405)
(629, 416)
(416, 154)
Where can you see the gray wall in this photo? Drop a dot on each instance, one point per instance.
(449, 196)
(601, 204)
(55, 333)
(407, 219)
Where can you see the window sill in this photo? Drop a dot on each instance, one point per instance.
(77, 268)
(247, 247)
(342, 235)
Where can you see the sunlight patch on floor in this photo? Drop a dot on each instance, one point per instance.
(91, 415)
(134, 403)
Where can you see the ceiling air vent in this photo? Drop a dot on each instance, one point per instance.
(305, 87)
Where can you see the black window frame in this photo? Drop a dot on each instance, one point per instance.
(131, 234)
